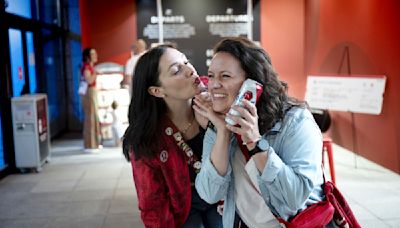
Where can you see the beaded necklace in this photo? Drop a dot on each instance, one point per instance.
(192, 159)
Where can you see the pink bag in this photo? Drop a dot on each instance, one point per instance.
(343, 215)
(317, 215)
(320, 214)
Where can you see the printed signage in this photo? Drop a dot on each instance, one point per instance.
(196, 26)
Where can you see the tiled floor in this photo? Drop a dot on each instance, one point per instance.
(96, 190)
(372, 191)
(73, 190)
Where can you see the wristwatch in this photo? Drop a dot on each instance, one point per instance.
(261, 146)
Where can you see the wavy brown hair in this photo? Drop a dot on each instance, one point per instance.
(256, 62)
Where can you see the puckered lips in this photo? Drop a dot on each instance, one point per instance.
(199, 83)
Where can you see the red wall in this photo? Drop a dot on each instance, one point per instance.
(309, 37)
(283, 37)
(110, 27)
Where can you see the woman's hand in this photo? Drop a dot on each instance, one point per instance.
(248, 124)
(203, 109)
(219, 154)
(201, 119)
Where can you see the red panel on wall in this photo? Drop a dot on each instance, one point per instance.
(110, 27)
(282, 36)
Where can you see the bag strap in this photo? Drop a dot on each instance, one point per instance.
(323, 171)
(243, 148)
(239, 140)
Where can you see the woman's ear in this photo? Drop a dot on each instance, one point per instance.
(156, 91)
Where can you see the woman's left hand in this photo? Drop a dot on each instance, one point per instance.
(248, 124)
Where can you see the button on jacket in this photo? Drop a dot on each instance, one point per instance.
(163, 184)
(292, 177)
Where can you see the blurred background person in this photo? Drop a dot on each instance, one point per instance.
(91, 124)
(137, 50)
(118, 126)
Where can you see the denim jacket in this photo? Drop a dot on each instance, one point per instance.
(292, 177)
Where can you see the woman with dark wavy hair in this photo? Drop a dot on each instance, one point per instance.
(164, 142)
(267, 165)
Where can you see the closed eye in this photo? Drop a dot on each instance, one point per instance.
(179, 68)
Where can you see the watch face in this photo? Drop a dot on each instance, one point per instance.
(263, 144)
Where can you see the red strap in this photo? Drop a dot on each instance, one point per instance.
(243, 148)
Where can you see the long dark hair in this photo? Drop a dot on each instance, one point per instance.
(145, 110)
(86, 54)
(256, 62)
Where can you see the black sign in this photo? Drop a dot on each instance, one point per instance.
(196, 26)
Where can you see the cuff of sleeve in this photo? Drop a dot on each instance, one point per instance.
(212, 172)
(273, 166)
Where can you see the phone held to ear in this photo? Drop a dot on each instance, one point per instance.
(251, 91)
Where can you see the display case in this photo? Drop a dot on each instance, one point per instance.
(108, 83)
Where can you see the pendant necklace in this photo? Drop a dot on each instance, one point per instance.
(188, 126)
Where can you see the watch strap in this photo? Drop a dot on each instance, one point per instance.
(261, 146)
(255, 150)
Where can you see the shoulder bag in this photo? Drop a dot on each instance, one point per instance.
(83, 86)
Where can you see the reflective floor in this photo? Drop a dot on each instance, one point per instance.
(77, 189)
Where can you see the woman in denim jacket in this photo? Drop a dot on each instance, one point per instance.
(273, 169)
